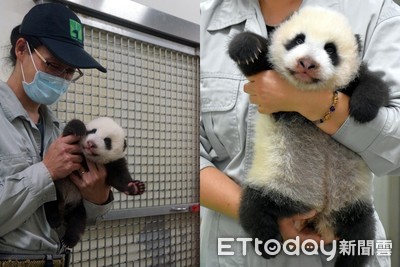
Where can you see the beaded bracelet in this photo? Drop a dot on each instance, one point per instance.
(332, 108)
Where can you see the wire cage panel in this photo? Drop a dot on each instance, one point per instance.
(152, 92)
(170, 240)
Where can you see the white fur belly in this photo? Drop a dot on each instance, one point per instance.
(267, 159)
(305, 164)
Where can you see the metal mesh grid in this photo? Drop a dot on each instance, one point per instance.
(170, 240)
(153, 93)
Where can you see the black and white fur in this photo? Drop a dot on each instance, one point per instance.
(103, 142)
(296, 167)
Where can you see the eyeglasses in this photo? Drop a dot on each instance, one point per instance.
(70, 74)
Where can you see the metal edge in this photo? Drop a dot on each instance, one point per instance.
(147, 211)
(136, 16)
(138, 35)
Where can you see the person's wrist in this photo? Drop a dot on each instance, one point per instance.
(49, 169)
(329, 112)
(315, 104)
(338, 117)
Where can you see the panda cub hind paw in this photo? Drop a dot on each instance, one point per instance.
(135, 187)
(70, 241)
(247, 47)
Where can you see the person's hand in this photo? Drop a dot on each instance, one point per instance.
(92, 183)
(63, 157)
(296, 225)
(272, 93)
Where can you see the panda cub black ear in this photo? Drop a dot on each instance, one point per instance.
(125, 144)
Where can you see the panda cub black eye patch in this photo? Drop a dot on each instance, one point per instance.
(92, 131)
(297, 40)
(331, 50)
(107, 142)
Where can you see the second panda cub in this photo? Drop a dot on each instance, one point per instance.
(296, 167)
(103, 142)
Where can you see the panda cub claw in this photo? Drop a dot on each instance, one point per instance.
(70, 241)
(246, 47)
(249, 51)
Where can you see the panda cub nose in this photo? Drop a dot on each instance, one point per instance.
(307, 63)
(91, 144)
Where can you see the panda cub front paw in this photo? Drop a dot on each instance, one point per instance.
(246, 47)
(249, 51)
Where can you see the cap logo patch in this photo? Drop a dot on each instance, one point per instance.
(76, 30)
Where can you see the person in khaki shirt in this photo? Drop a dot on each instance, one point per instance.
(48, 54)
(227, 117)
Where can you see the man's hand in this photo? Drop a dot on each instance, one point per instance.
(63, 157)
(296, 225)
(92, 183)
(272, 93)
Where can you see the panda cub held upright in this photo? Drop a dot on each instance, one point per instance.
(103, 142)
(296, 167)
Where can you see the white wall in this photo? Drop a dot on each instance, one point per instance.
(11, 14)
(185, 9)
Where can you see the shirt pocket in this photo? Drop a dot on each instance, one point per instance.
(15, 163)
(219, 98)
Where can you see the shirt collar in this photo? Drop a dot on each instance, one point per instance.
(13, 108)
(228, 13)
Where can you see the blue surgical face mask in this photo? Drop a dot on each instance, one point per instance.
(45, 88)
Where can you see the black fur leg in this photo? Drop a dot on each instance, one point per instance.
(368, 93)
(52, 214)
(75, 220)
(118, 176)
(355, 223)
(53, 210)
(75, 127)
(259, 212)
(249, 51)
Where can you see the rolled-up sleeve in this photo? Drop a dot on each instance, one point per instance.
(95, 213)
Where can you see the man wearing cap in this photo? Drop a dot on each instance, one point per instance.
(47, 52)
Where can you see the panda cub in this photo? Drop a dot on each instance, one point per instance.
(295, 166)
(102, 141)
